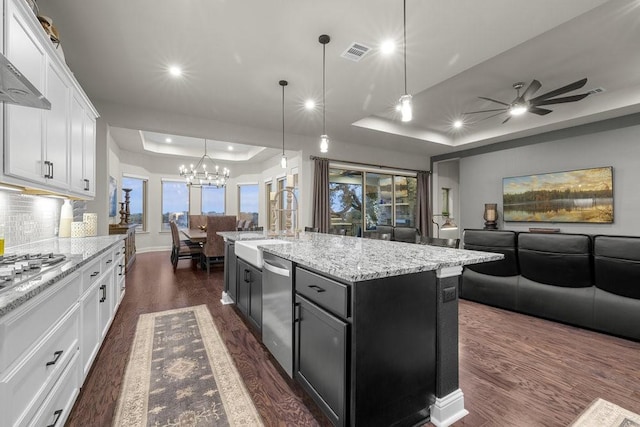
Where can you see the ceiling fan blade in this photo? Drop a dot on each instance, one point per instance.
(488, 117)
(572, 98)
(485, 111)
(539, 111)
(494, 100)
(533, 88)
(560, 91)
(507, 119)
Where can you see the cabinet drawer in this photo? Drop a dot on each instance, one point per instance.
(21, 329)
(57, 406)
(26, 386)
(327, 293)
(107, 261)
(91, 274)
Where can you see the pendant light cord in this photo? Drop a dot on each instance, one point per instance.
(404, 28)
(283, 120)
(324, 132)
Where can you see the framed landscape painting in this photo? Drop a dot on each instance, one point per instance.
(584, 195)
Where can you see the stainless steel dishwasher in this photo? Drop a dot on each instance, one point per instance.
(277, 309)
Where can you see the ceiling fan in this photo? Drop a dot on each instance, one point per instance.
(525, 103)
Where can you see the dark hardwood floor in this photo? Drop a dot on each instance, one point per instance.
(515, 370)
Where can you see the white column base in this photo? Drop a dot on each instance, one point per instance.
(226, 299)
(449, 409)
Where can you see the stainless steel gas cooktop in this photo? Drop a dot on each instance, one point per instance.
(16, 268)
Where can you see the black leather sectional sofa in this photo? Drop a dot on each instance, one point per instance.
(587, 281)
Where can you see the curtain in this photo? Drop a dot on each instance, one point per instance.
(321, 215)
(423, 207)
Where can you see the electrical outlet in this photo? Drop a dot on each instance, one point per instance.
(449, 294)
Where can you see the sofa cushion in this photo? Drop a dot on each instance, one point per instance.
(492, 290)
(503, 242)
(556, 259)
(617, 265)
(616, 314)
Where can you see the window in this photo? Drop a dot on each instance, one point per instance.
(137, 200)
(248, 203)
(389, 199)
(345, 201)
(212, 200)
(175, 203)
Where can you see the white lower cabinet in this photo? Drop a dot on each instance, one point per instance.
(56, 408)
(48, 344)
(90, 338)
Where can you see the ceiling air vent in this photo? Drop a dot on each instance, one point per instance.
(355, 52)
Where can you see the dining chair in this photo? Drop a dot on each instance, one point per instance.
(438, 241)
(182, 249)
(214, 246)
(406, 234)
(197, 221)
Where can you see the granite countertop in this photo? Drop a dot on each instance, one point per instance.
(78, 252)
(244, 235)
(356, 259)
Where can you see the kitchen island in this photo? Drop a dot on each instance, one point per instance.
(376, 326)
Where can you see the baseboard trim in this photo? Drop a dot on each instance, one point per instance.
(449, 409)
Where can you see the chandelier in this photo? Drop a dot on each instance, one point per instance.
(199, 175)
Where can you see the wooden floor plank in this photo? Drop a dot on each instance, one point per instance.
(515, 370)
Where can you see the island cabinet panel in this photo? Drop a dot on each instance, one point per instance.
(366, 351)
(249, 297)
(230, 269)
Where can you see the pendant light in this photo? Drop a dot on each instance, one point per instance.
(283, 161)
(324, 139)
(406, 109)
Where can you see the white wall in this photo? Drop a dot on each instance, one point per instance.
(481, 177)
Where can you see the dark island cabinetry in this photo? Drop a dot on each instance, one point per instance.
(366, 351)
(249, 292)
(230, 270)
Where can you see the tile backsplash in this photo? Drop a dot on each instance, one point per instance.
(29, 218)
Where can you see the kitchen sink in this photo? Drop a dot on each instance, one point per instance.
(248, 250)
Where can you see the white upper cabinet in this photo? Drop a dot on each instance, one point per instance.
(51, 150)
(24, 126)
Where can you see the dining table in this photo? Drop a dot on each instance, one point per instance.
(196, 235)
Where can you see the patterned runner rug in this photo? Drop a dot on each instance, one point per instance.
(605, 414)
(180, 374)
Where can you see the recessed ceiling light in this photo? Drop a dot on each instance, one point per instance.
(175, 71)
(168, 140)
(230, 148)
(388, 46)
(457, 124)
(310, 104)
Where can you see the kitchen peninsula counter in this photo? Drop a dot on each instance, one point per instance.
(77, 252)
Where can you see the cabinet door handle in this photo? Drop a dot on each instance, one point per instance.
(247, 276)
(86, 184)
(47, 173)
(103, 288)
(121, 269)
(95, 273)
(51, 173)
(109, 261)
(296, 313)
(57, 417)
(56, 356)
(317, 288)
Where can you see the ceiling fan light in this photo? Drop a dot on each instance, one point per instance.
(518, 110)
(324, 143)
(406, 108)
(283, 162)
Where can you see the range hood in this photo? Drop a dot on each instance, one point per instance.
(16, 89)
